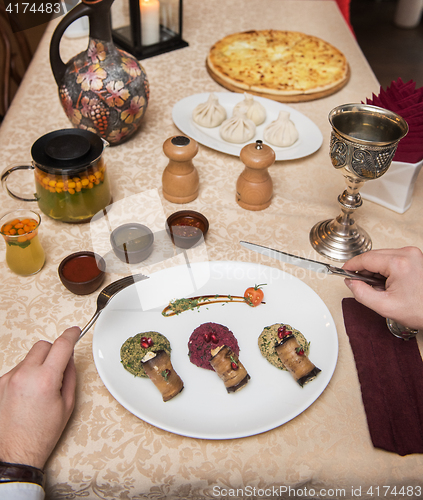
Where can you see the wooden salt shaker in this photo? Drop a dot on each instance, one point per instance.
(180, 178)
(254, 187)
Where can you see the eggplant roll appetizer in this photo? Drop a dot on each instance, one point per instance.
(159, 369)
(229, 368)
(295, 360)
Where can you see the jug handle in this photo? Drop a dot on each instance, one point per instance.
(57, 65)
(6, 174)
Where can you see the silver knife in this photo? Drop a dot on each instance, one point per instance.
(313, 265)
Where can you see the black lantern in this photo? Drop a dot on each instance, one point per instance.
(146, 28)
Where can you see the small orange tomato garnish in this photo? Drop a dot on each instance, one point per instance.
(254, 295)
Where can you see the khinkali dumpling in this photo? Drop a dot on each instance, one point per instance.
(254, 109)
(281, 132)
(237, 129)
(210, 113)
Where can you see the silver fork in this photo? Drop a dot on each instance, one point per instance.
(106, 294)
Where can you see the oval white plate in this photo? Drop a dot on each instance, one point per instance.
(310, 137)
(204, 409)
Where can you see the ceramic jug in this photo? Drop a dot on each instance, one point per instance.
(104, 89)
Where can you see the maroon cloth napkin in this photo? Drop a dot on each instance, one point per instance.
(407, 101)
(390, 371)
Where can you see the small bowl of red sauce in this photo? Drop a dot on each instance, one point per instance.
(82, 272)
(186, 228)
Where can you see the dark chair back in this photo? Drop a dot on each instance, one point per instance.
(15, 56)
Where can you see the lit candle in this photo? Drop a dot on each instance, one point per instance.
(150, 21)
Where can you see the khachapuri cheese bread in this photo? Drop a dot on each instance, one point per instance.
(135, 348)
(277, 63)
(287, 349)
(206, 337)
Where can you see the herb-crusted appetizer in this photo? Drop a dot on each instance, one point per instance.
(271, 335)
(229, 368)
(135, 348)
(159, 369)
(296, 360)
(287, 349)
(206, 337)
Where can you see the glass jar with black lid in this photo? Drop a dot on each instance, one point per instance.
(71, 179)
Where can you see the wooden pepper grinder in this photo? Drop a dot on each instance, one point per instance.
(180, 178)
(254, 187)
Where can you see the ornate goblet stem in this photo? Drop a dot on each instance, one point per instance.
(364, 139)
(339, 238)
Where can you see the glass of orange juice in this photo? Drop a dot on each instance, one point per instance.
(24, 253)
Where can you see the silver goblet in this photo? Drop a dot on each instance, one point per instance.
(363, 142)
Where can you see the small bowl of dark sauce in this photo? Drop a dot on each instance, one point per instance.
(82, 272)
(132, 243)
(186, 228)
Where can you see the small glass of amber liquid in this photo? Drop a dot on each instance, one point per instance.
(24, 253)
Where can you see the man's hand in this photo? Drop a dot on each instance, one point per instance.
(37, 398)
(402, 299)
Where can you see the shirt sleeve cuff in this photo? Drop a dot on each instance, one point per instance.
(21, 491)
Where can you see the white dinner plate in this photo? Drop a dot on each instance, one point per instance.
(310, 138)
(204, 409)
